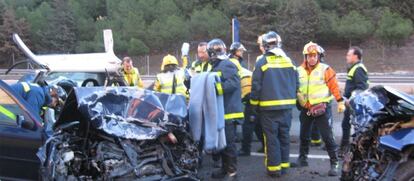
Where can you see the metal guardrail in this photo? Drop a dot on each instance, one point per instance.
(374, 77)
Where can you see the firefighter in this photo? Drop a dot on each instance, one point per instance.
(171, 79)
(274, 86)
(37, 96)
(357, 79)
(229, 87)
(130, 73)
(236, 55)
(316, 140)
(201, 64)
(318, 86)
(250, 123)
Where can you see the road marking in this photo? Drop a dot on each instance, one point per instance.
(295, 155)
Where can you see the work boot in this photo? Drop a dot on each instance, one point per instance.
(274, 174)
(285, 170)
(221, 173)
(301, 162)
(334, 171)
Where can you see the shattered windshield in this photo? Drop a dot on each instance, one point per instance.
(131, 113)
(78, 77)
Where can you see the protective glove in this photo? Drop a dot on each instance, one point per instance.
(341, 106)
(301, 99)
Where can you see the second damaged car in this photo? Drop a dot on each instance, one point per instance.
(120, 133)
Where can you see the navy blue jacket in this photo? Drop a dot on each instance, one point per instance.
(36, 96)
(230, 88)
(275, 82)
(357, 81)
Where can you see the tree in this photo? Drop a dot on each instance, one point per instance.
(10, 25)
(392, 28)
(137, 47)
(299, 22)
(60, 35)
(354, 27)
(209, 23)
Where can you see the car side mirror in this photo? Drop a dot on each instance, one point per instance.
(23, 123)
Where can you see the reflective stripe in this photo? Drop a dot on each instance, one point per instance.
(7, 113)
(316, 141)
(285, 165)
(219, 88)
(277, 62)
(219, 73)
(199, 67)
(274, 168)
(254, 102)
(313, 85)
(277, 102)
(26, 87)
(353, 69)
(132, 78)
(233, 116)
(165, 82)
(265, 148)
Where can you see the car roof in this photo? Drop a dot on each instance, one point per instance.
(88, 62)
(84, 62)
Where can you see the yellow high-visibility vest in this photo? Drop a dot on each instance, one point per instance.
(351, 72)
(164, 82)
(313, 86)
(133, 78)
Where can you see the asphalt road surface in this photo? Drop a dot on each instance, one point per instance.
(252, 168)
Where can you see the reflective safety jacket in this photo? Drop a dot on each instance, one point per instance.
(171, 82)
(199, 66)
(245, 77)
(357, 79)
(229, 88)
(318, 84)
(132, 78)
(274, 82)
(35, 95)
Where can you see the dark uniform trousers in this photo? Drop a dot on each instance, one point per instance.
(276, 126)
(346, 127)
(324, 123)
(248, 127)
(229, 154)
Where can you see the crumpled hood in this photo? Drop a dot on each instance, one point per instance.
(126, 112)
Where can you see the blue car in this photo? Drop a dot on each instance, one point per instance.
(21, 134)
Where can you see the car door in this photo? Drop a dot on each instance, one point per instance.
(18, 146)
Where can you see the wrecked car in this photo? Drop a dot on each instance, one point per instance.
(380, 149)
(71, 70)
(120, 133)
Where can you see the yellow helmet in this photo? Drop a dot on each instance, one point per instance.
(311, 48)
(168, 60)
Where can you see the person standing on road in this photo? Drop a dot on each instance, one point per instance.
(171, 79)
(357, 79)
(318, 86)
(236, 55)
(251, 123)
(229, 87)
(130, 73)
(274, 87)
